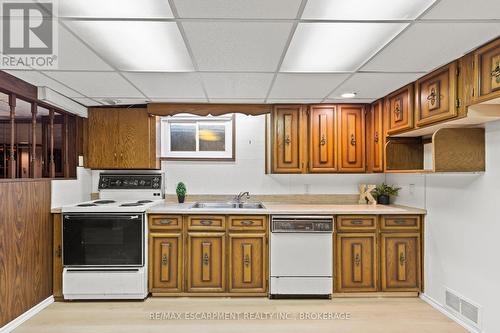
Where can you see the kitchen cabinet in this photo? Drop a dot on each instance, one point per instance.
(375, 138)
(288, 137)
(57, 266)
(399, 111)
(401, 261)
(121, 139)
(487, 72)
(247, 263)
(436, 96)
(351, 138)
(165, 262)
(356, 262)
(322, 138)
(206, 262)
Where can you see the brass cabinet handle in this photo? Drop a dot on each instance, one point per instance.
(402, 259)
(357, 260)
(247, 222)
(206, 259)
(433, 96)
(397, 110)
(400, 221)
(376, 137)
(496, 72)
(164, 260)
(59, 251)
(165, 222)
(287, 140)
(247, 261)
(353, 140)
(206, 222)
(323, 140)
(356, 222)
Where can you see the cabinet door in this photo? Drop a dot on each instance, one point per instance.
(400, 110)
(351, 120)
(135, 131)
(487, 72)
(57, 267)
(288, 155)
(206, 268)
(375, 138)
(401, 261)
(165, 262)
(103, 139)
(437, 96)
(356, 262)
(247, 264)
(322, 138)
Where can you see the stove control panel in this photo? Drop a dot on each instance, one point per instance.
(108, 181)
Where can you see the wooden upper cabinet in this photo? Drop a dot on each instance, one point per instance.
(322, 138)
(247, 263)
(436, 96)
(288, 135)
(165, 262)
(351, 138)
(487, 72)
(375, 138)
(401, 261)
(121, 139)
(356, 262)
(399, 111)
(206, 262)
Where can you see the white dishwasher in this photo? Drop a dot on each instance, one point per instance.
(301, 263)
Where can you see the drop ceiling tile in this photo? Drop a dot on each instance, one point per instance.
(237, 85)
(305, 85)
(74, 55)
(465, 9)
(40, 80)
(425, 46)
(136, 45)
(86, 101)
(115, 8)
(276, 9)
(336, 47)
(237, 46)
(97, 84)
(350, 100)
(374, 85)
(237, 100)
(178, 100)
(168, 85)
(294, 100)
(365, 10)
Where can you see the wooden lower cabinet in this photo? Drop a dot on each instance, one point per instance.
(401, 262)
(206, 262)
(165, 262)
(357, 262)
(57, 267)
(247, 263)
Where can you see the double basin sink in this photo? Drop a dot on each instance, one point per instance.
(228, 205)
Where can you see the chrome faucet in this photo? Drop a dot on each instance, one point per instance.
(237, 198)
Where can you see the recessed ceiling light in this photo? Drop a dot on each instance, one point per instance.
(348, 95)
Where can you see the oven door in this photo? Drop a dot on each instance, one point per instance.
(103, 240)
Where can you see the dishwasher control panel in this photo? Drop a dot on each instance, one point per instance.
(299, 223)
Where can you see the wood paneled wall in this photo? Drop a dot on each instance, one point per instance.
(25, 246)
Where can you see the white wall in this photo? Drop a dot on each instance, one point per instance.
(462, 231)
(247, 173)
(70, 191)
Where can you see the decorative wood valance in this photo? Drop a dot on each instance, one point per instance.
(205, 109)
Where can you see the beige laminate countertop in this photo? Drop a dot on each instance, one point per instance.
(278, 208)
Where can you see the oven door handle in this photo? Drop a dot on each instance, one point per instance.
(115, 217)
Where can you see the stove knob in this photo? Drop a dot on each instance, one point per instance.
(118, 182)
(142, 182)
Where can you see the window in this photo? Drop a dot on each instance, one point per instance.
(188, 137)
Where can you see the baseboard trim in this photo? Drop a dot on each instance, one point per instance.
(436, 305)
(10, 326)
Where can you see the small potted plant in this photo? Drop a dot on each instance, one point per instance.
(181, 192)
(384, 192)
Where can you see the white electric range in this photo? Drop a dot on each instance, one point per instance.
(105, 241)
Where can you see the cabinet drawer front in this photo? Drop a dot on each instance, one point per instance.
(356, 223)
(206, 222)
(247, 222)
(400, 222)
(165, 222)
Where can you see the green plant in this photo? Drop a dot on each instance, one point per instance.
(181, 189)
(384, 189)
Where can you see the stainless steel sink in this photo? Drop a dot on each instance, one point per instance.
(228, 205)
